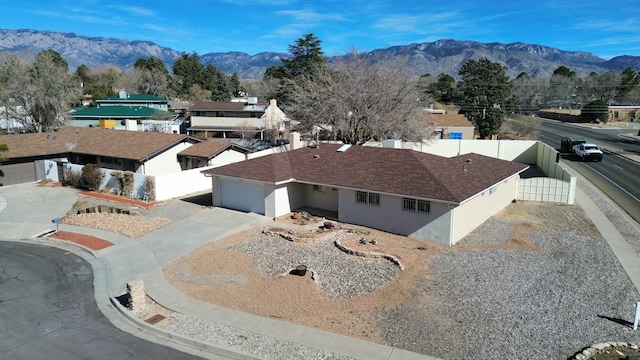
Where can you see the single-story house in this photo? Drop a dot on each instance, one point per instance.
(447, 124)
(400, 191)
(148, 153)
(212, 153)
(624, 113)
(244, 119)
(116, 116)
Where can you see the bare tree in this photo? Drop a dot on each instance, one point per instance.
(197, 93)
(14, 77)
(359, 100)
(42, 91)
(107, 78)
(596, 86)
(146, 81)
(245, 130)
(562, 90)
(529, 91)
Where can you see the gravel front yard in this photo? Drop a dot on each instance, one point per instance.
(536, 281)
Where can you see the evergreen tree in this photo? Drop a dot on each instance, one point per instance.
(596, 110)
(306, 60)
(485, 87)
(629, 80)
(188, 71)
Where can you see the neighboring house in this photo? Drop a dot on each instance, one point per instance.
(447, 124)
(148, 153)
(624, 113)
(245, 118)
(400, 191)
(212, 153)
(135, 100)
(115, 116)
(112, 113)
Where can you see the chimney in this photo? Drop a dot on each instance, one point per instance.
(294, 140)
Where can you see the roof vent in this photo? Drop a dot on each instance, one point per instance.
(316, 156)
(344, 148)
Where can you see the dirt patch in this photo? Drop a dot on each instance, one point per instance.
(545, 215)
(298, 299)
(216, 274)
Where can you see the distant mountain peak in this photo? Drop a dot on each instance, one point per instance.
(441, 56)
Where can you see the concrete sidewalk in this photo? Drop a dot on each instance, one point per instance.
(27, 211)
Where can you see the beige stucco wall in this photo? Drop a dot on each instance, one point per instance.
(227, 121)
(480, 208)
(165, 163)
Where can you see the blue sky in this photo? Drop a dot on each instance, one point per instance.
(605, 28)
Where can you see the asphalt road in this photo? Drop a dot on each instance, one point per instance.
(616, 176)
(48, 311)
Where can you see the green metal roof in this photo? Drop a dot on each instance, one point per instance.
(117, 112)
(134, 97)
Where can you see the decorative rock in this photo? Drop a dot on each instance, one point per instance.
(600, 346)
(137, 295)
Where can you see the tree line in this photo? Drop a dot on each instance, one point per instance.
(356, 98)
(39, 92)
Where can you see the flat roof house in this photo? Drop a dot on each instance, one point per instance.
(400, 191)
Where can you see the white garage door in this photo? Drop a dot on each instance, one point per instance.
(242, 196)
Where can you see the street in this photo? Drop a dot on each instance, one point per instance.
(616, 175)
(48, 310)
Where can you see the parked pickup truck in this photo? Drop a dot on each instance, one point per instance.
(567, 144)
(588, 152)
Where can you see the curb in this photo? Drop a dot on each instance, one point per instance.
(619, 154)
(170, 336)
(200, 348)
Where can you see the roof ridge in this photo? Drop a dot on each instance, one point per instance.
(421, 157)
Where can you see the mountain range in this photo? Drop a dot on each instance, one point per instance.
(442, 56)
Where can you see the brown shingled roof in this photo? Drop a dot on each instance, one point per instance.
(211, 148)
(32, 145)
(395, 171)
(94, 141)
(450, 119)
